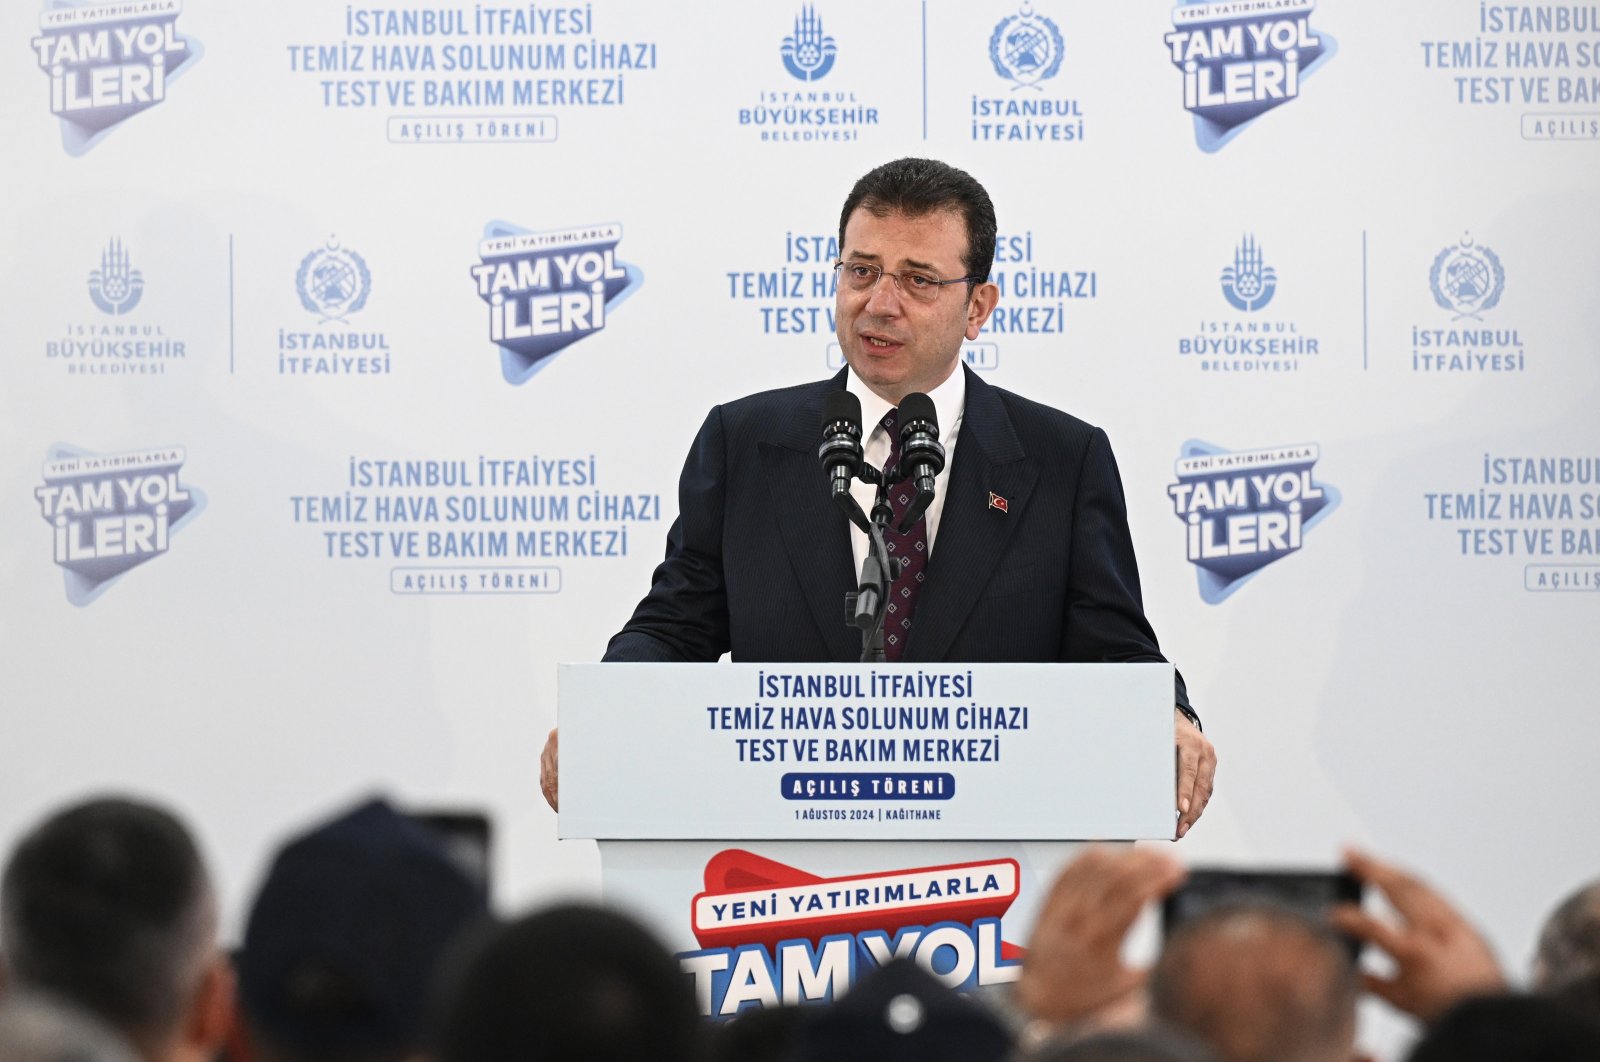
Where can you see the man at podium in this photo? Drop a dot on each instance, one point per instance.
(1023, 555)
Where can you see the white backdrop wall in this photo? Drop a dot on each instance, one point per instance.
(184, 239)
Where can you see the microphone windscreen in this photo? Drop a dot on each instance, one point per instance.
(918, 406)
(841, 405)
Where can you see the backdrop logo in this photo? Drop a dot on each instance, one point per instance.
(108, 62)
(1026, 48)
(116, 286)
(547, 290)
(808, 53)
(333, 282)
(129, 343)
(112, 512)
(773, 935)
(1467, 278)
(1242, 58)
(1244, 510)
(1249, 283)
(786, 113)
(1255, 341)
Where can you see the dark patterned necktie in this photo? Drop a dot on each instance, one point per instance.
(912, 546)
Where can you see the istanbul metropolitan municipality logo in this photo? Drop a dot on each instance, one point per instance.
(116, 287)
(110, 513)
(108, 62)
(130, 343)
(1026, 48)
(547, 290)
(1250, 341)
(333, 282)
(808, 52)
(1249, 283)
(1244, 510)
(1467, 279)
(1240, 59)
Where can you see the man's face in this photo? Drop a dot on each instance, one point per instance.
(898, 344)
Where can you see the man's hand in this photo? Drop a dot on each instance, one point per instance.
(1074, 963)
(1440, 959)
(549, 782)
(1197, 772)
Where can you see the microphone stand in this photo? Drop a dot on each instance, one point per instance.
(864, 606)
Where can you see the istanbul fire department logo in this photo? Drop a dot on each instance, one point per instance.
(1467, 278)
(1026, 48)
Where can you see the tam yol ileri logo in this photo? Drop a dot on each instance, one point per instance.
(110, 513)
(547, 290)
(1240, 59)
(108, 62)
(1244, 510)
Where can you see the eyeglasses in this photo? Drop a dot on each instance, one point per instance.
(923, 287)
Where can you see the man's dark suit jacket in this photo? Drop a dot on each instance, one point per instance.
(758, 561)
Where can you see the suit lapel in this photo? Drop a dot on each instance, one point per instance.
(972, 534)
(815, 534)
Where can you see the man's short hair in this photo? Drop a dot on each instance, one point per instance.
(346, 937)
(915, 187)
(573, 982)
(1569, 943)
(1259, 982)
(107, 905)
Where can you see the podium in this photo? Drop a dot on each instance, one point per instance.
(785, 827)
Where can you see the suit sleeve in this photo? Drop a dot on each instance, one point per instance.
(1105, 621)
(684, 617)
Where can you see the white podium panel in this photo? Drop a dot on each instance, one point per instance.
(811, 752)
(796, 922)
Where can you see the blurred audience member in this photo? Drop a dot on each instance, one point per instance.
(1583, 994)
(570, 982)
(902, 1013)
(1569, 943)
(43, 1029)
(755, 1035)
(1506, 1028)
(1136, 1045)
(1259, 983)
(107, 906)
(1439, 959)
(346, 937)
(1073, 974)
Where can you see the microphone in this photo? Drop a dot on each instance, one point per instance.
(840, 450)
(921, 453)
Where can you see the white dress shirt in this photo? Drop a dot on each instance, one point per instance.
(950, 405)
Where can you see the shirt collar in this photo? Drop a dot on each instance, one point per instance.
(949, 403)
